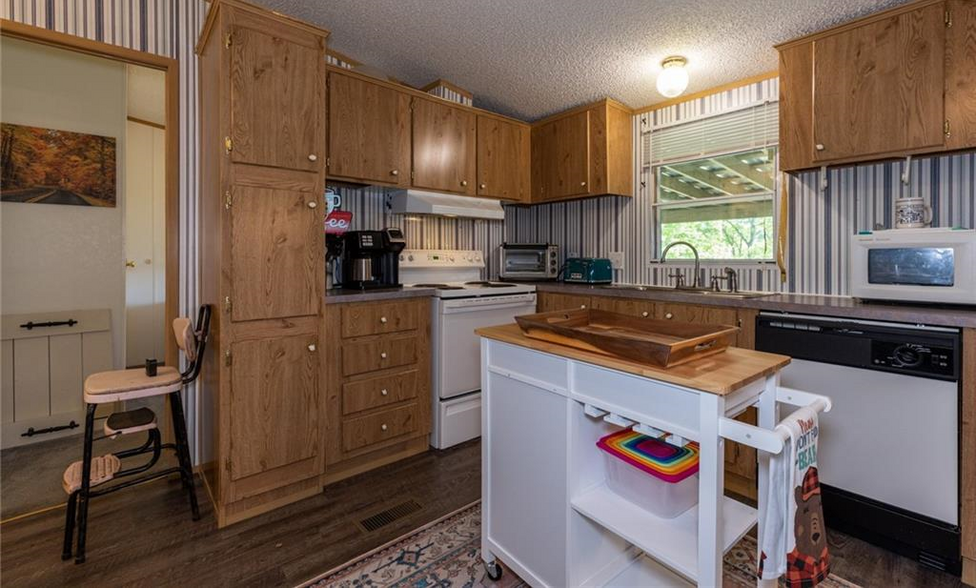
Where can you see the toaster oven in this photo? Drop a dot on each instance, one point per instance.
(529, 261)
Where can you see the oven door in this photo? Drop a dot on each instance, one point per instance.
(524, 263)
(457, 349)
(937, 267)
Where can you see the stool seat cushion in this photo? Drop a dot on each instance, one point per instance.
(128, 384)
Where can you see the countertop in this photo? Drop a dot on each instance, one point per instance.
(340, 296)
(719, 374)
(946, 316)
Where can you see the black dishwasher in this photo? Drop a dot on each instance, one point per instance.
(889, 448)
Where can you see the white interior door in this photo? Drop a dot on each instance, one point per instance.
(145, 224)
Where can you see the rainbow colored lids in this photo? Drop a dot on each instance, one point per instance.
(654, 456)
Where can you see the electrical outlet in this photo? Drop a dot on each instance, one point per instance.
(617, 259)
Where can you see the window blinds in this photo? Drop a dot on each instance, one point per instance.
(752, 127)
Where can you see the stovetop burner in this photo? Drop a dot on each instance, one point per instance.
(437, 286)
(485, 284)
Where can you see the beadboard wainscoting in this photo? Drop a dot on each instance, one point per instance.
(820, 222)
(164, 27)
(369, 212)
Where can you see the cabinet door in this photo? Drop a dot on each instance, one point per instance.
(693, 313)
(503, 159)
(277, 100)
(878, 88)
(548, 301)
(796, 107)
(369, 131)
(273, 405)
(444, 147)
(960, 88)
(562, 157)
(276, 250)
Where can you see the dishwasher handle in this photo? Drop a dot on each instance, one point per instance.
(772, 440)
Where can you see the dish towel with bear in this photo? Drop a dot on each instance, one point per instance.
(794, 539)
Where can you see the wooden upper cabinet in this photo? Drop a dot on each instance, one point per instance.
(878, 88)
(960, 84)
(276, 253)
(587, 152)
(896, 83)
(274, 409)
(444, 147)
(503, 159)
(369, 131)
(277, 87)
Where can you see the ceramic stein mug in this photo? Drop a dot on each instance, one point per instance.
(912, 213)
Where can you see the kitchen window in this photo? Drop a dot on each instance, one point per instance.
(715, 181)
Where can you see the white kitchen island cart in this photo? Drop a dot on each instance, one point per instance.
(547, 512)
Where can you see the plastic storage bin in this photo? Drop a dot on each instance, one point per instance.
(653, 474)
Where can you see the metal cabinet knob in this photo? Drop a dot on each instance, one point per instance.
(383, 355)
(312, 204)
(483, 186)
(583, 306)
(383, 427)
(644, 314)
(383, 319)
(384, 392)
(669, 316)
(820, 147)
(464, 182)
(582, 183)
(395, 172)
(313, 157)
(312, 347)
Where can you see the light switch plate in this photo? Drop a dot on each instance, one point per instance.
(617, 259)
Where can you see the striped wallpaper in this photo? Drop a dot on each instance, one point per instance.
(164, 27)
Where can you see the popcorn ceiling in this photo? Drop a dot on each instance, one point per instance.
(532, 58)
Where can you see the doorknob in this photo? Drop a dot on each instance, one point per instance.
(130, 263)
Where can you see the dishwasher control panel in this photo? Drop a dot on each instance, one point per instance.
(917, 357)
(916, 350)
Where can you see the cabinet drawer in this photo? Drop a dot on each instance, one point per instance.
(376, 428)
(369, 356)
(376, 392)
(376, 319)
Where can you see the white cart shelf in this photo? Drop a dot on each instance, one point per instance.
(672, 542)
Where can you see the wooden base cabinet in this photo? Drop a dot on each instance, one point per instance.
(377, 399)
(261, 182)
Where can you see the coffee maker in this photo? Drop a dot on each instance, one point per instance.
(371, 259)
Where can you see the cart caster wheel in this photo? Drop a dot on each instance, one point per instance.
(493, 570)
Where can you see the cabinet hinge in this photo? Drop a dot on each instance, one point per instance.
(227, 464)
(228, 359)
(228, 200)
(328, 161)
(948, 18)
(228, 144)
(228, 40)
(945, 128)
(228, 305)
(412, 176)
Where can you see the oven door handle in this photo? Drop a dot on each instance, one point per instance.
(455, 308)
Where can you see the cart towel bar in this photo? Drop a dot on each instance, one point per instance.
(771, 440)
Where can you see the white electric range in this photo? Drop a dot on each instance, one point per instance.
(463, 302)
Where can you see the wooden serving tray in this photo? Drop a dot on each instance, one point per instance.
(662, 343)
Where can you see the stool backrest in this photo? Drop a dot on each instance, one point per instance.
(193, 341)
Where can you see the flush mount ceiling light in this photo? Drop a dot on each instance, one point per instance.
(673, 79)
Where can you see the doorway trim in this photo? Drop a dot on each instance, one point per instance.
(170, 66)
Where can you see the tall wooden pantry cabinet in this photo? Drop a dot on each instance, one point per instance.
(262, 175)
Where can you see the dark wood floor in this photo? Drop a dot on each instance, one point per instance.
(145, 537)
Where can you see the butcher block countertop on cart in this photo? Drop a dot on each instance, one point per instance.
(719, 374)
(548, 512)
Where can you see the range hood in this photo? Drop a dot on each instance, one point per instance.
(434, 203)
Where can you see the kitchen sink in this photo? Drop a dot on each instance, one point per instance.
(702, 291)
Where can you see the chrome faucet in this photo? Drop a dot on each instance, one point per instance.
(679, 279)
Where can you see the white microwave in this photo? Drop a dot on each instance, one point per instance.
(914, 265)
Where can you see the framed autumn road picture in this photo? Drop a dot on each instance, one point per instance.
(48, 166)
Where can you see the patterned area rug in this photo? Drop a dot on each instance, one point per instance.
(447, 554)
